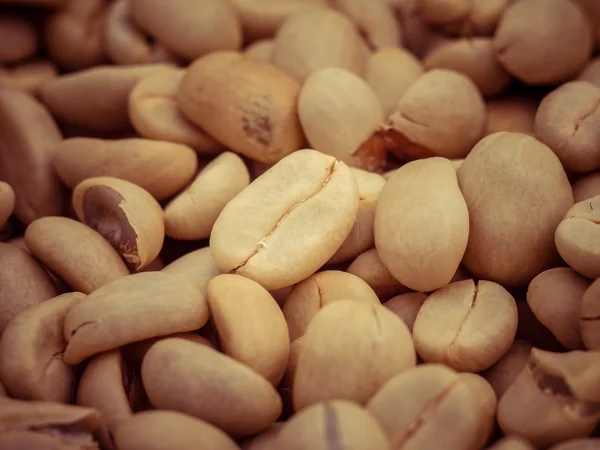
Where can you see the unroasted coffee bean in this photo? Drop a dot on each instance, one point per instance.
(154, 113)
(247, 105)
(553, 399)
(589, 319)
(577, 237)
(288, 241)
(554, 296)
(369, 268)
(31, 348)
(311, 295)
(333, 424)
(414, 406)
(543, 41)
(503, 373)
(189, 28)
(51, 240)
(407, 306)
(505, 227)
(25, 283)
(261, 50)
(586, 187)
(403, 236)
(350, 349)
(161, 168)
(128, 217)
(192, 214)
(131, 309)
(108, 385)
(196, 267)
(448, 327)
(568, 121)
(28, 136)
(157, 430)
(250, 324)
(239, 401)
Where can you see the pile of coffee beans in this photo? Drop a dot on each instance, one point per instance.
(299, 224)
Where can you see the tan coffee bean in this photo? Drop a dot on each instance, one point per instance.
(47, 425)
(370, 269)
(28, 130)
(578, 444)
(362, 235)
(192, 214)
(267, 440)
(25, 283)
(505, 227)
(251, 326)
(333, 424)
(154, 112)
(338, 112)
(422, 252)
(558, 49)
(262, 18)
(128, 217)
(591, 72)
(473, 57)
(28, 76)
(106, 90)
(586, 187)
(261, 49)
(441, 114)
(350, 349)
(589, 319)
(161, 168)
(512, 443)
(18, 37)
(131, 309)
(554, 296)
(7, 202)
(308, 297)
(287, 242)
(157, 430)
(554, 398)
(105, 385)
(237, 399)
(74, 34)
(318, 39)
(568, 121)
(390, 72)
(197, 268)
(414, 406)
(577, 237)
(503, 373)
(189, 28)
(75, 252)
(459, 340)
(263, 124)
(510, 113)
(31, 347)
(407, 306)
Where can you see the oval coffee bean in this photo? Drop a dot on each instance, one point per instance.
(125, 214)
(289, 240)
(334, 424)
(52, 239)
(25, 283)
(130, 309)
(308, 297)
(589, 317)
(161, 168)
(554, 296)
(407, 306)
(414, 406)
(422, 250)
(505, 371)
(370, 269)
(348, 351)
(31, 348)
(158, 430)
(192, 214)
(237, 400)
(251, 326)
(196, 267)
(448, 327)
(154, 112)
